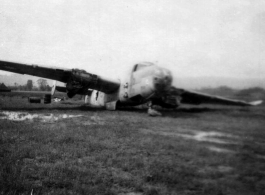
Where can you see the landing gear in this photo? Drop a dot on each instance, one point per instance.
(151, 111)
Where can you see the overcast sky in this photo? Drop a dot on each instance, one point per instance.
(192, 38)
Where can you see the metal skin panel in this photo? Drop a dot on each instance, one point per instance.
(97, 99)
(100, 99)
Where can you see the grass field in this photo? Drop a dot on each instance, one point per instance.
(193, 150)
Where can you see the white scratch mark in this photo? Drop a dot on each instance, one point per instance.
(22, 116)
(202, 136)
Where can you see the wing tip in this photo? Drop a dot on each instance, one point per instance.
(255, 103)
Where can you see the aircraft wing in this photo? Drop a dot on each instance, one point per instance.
(76, 79)
(192, 97)
(39, 71)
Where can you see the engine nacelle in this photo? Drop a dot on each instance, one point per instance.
(70, 89)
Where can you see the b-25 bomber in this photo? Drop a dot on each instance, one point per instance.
(145, 83)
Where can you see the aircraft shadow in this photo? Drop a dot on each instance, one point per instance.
(59, 108)
(186, 112)
(196, 110)
(174, 113)
(132, 109)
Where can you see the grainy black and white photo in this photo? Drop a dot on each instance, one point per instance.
(132, 97)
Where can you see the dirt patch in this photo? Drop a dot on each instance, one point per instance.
(261, 157)
(221, 150)
(202, 136)
(22, 116)
(225, 169)
(94, 120)
(214, 169)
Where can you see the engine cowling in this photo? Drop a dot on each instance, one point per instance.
(71, 89)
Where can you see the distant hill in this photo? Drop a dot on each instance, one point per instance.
(248, 94)
(214, 82)
(254, 93)
(220, 91)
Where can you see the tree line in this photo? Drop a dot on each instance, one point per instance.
(42, 85)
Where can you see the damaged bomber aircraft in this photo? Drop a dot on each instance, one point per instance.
(146, 83)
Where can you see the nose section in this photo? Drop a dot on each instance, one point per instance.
(162, 80)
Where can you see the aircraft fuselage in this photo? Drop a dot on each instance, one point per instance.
(144, 81)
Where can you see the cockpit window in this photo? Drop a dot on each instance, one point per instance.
(141, 65)
(135, 67)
